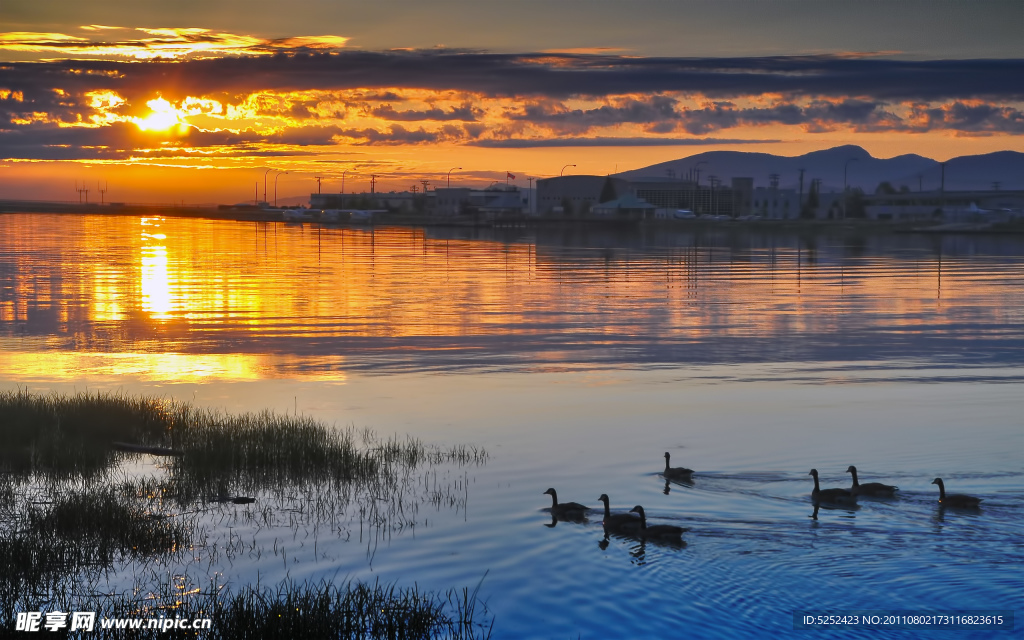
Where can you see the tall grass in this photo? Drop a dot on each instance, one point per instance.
(65, 436)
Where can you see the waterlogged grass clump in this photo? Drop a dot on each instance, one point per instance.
(70, 436)
(78, 436)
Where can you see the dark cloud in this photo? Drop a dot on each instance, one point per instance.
(535, 74)
(968, 118)
(45, 141)
(466, 113)
(654, 109)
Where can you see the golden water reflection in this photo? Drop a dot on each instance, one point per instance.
(192, 299)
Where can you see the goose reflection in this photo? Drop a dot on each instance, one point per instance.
(637, 545)
(679, 483)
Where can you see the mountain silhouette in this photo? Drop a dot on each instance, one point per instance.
(862, 169)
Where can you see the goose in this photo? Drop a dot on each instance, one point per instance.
(618, 521)
(676, 473)
(829, 495)
(565, 509)
(869, 488)
(658, 531)
(954, 499)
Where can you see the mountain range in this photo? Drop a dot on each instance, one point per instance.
(862, 169)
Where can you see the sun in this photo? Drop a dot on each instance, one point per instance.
(163, 116)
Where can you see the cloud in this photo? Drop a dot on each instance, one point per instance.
(162, 43)
(466, 113)
(554, 76)
(309, 98)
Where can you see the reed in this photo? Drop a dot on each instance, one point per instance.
(68, 436)
(54, 536)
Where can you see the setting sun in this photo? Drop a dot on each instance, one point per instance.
(163, 116)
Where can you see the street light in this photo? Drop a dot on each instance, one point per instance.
(845, 196)
(275, 187)
(265, 184)
(450, 175)
(563, 169)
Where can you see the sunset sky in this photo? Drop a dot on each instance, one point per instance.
(196, 101)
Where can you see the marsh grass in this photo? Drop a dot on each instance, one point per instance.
(69, 436)
(46, 543)
(70, 518)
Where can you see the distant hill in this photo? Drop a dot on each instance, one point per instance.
(866, 172)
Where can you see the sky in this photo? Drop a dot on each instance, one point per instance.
(230, 101)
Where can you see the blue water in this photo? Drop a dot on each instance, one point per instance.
(576, 360)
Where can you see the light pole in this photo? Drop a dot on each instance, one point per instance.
(275, 187)
(845, 196)
(560, 173)
(343, 188)
(695, 176)
(450, 175)
(265, 184)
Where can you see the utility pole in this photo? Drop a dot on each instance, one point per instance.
(318, 179)
(373, 183)
(414, 188)
(800, 202)
(942, 189)
(425, 183)
(529, 195)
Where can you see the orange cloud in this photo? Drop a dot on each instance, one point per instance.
(161, 43)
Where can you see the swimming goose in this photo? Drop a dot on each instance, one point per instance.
(954, 499)
(869, 488)
(829, 495)
(658, 531)
(622, 522)
(676, 473)
(564, 509)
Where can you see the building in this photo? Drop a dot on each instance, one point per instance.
(950, 206)
(627, 208)
(576, 195)
(773, 203)
(496, 201)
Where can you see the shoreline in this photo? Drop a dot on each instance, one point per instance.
(230, 213)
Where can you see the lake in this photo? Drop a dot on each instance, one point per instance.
(576, 357)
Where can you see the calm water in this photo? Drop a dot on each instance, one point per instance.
(576, 359)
